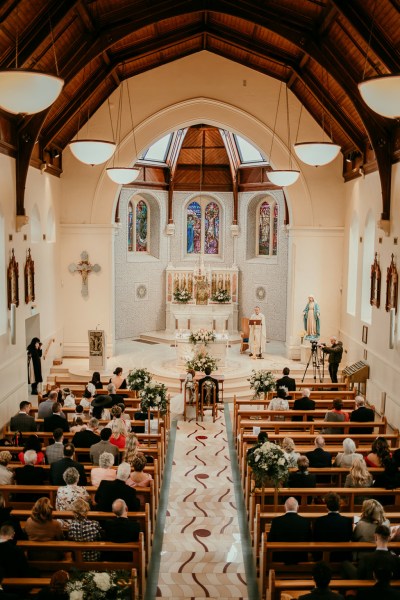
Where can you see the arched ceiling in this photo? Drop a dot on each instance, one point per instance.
(319, 48)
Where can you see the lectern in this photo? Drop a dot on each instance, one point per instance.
(97, 350)
(255, 337)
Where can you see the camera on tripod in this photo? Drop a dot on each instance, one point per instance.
(314, 345)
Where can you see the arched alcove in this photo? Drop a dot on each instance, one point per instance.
(368, 259)
(352, 270)
(36, 225)
(50, 226)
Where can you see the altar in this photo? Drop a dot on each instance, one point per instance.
(185, 350)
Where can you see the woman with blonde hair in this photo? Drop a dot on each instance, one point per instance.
(372, 515)
(289, 450)
(359, 475)
(41, 527)
(6, 475)
(118, 436)
(131, 448)
(137, 477)
(349, 454)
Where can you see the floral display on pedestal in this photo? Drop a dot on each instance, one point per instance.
(269, 464)
(261, 382)
(202, 336)
(182, 296)
(222, 296)
(154, 396)
(90, 585)
(138, 378)
(201, 361)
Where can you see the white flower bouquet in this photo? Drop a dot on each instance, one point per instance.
(182, 296)
(154, 395)
(202, 336)
(201, 361)
(138, 378)
(269, 464)
(93, 585)
(261, 382)
(221, 296)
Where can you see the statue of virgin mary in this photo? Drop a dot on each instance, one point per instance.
(311, 318)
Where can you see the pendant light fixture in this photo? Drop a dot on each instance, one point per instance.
(26, 91)
(382, 92)
(317, 153)
(123, 175)
(282, 177)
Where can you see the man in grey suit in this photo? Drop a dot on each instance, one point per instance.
(103, 446)
(46, 407)
(23, 421)
(55, 452)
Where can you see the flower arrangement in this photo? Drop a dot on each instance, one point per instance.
(269, 464)
(154, 395)
(261, 382)
(182, 296)
(221, 296)
(200, 361)
(202, 336)
(93, 585)
(138, 378)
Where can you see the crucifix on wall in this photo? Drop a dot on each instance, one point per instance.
(84, 268)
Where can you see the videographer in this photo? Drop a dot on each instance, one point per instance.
(335, 356)
(34, 351)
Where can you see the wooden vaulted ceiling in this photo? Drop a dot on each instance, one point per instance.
(320, 48)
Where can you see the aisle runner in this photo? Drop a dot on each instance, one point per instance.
(201, 551)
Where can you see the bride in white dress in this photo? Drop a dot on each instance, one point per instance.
(177, 401)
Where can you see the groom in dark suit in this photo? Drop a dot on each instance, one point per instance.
(208, 377)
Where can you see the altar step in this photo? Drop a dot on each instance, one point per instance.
(163, 337)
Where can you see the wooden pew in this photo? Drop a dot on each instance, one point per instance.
(74, 558)
(311, 427)
(343, 394)
(276, 586)
(321, 385)
(268, 562)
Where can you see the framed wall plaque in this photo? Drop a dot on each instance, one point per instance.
(12, 282)
(29, 278)
(375, 298)
(392, 286)
(364, 334)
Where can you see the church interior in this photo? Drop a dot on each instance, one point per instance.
(205, 109)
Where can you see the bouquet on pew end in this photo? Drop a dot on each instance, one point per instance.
(93, 585)
(269, 465)
(261, 382)
(138, 378)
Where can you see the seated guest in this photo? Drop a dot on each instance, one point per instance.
(287, 382)
(46, 406)
(41, 527)
(304, 403)
(32, 443)
(96, 380)
(12, 558)
(68, 398)
(116, 415)
(57, 589)
(6, 518)
(390, 478)
(382, 588)
(333, 527)
(6, 475)
(108, 491)
(361, 414)
(82, 529)
(349, 454)
(125, 416)
(104, 470)
(86, 399)
(23, 421)
(103, 445)
(302, 478)
(56, 421)
(372, 515)
(77, 424)
(336, 415)
(118, 379)
(67, 494)
(319, 458)
(382, 558)
(279, 402)
(289, 449)
(118, 435)
(290, 527)
(380, 452)
(58, 468)
(359, 476)
(7, 595)
(87, 437)
(79, 412)
(100, 405)
(55, 452)
(137, 477)
(208, 378)
(322, 576)
(111, 391)
(30, 474)
(131, 448)
(120, 530)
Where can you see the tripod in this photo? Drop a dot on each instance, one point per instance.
(316, 364)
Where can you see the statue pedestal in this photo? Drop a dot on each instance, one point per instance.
(305, 352)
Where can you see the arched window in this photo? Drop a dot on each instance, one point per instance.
(368, 259)
(267, 228)
(203, 227)
(138, 226)
(352, 268)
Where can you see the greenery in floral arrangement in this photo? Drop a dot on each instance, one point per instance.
(182, 296)
(154, 395)
(221, 296)
(138, 378)
(202, 336)
(269, 465)
(93, 585)
(201, 361)
(261, 382)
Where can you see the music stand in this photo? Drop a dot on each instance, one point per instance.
(255, 322)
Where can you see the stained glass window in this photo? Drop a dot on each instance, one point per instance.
(264, 229)
(130, 227)
(275, 231)
(141, 226)
(211, 229)
(193, 228)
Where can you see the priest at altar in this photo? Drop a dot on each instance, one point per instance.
(257, 334)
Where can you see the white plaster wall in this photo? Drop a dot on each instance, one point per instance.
(43, 191)
(363, 195)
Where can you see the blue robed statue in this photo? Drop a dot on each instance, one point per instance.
(311, 318)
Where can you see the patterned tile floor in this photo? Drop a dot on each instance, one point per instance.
(202, 548)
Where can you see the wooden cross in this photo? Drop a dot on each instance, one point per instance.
(84, 268)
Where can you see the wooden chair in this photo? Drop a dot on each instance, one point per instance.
(244, 334)
(208, 399)
(190, 398)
